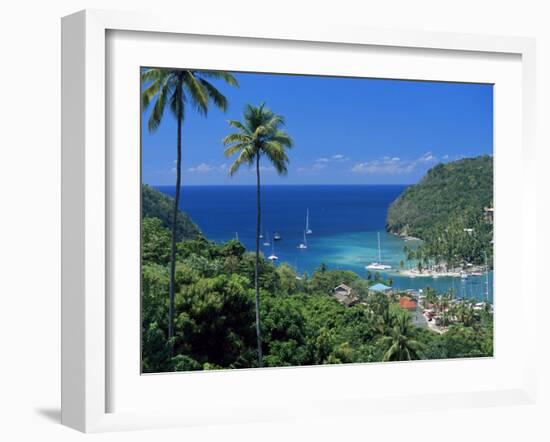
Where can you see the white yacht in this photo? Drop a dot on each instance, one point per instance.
(378, 265)
(303, 245)
(308, 230)
(273, 257)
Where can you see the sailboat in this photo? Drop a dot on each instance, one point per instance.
(303, 245)
(273, 257)
(308, 230)
(266, 243)
(378, 265)
(277, 236)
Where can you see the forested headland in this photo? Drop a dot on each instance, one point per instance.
(450, 209)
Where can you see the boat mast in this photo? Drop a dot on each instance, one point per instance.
(379, 252)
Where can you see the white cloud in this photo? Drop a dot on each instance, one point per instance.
(201, 168)
(318, 167)
(339, 157)
(383, 167)
(427, 158)
(332, 158)
(322, 163)
(392, 165)
(207, 168)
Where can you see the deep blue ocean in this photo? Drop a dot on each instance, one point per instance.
(345, 220)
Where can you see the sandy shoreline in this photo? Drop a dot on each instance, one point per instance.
(414, 273)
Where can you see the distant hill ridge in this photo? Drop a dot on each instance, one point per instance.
(446, 191)
(155, 204)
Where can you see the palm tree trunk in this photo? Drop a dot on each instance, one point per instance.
(256, 268)
(173, 245)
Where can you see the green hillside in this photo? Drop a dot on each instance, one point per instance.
(446, 192)
(155, 204)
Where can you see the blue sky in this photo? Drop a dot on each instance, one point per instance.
(346, 130)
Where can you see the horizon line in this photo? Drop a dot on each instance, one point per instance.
(281, 185)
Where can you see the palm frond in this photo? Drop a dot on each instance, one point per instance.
(246, 156)
(236, 138)
(220, 75)
(274, 121)
(276, 154)
(158, 110)
(283, 138)
(149, 94)
(238, 125)
(154, 74)
(198, 93)
(232, 150)
(215, 95)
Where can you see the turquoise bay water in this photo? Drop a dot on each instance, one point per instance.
(345, 220)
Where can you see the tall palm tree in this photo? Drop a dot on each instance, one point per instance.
(258, 135)
(176, 88)
(401, 344)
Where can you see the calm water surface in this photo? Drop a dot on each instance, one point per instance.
(345, 220)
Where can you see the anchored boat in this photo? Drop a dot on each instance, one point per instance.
(308, 230)
(378, 265)
(303, 245)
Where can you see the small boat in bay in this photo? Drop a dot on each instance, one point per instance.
(378, 265)
(308, 230)
(303, 245)
(277, 236)
(266, 243)
(273, 257)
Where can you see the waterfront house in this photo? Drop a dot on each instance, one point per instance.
(407, 303)
(344, 295)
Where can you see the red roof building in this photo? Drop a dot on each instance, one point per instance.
(407, 303)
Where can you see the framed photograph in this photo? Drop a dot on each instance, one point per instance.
(316, 214)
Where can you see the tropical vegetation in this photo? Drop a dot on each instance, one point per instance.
(301, 322)
(176, 89)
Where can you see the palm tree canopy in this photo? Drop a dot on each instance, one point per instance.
(174, 87)
(259, 134)
(402, 345)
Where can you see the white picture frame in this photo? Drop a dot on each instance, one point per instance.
(86, 206)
